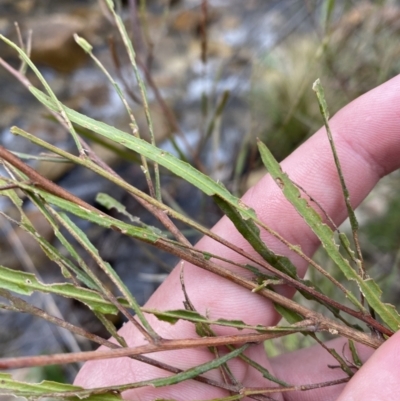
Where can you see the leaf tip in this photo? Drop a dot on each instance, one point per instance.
(316, 85)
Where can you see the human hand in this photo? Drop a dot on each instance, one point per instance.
(367, 138)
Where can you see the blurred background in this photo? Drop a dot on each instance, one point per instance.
(219, 74)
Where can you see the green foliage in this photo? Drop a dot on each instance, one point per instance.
(20, 389)
(82, 283)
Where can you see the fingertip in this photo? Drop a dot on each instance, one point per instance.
(379, 378)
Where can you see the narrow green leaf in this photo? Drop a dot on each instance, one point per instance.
(346, 245)
(52, 96)
(112, 330)
(26, 283)
(354, 354)
(319, 90)
(178, 167)
(9, 386)
(98, 218)
(109, 203)
(368, 287)
(290, 316)
(172, 316)
(251, 232)
(179, 377)
(343, 365)
(317, 87)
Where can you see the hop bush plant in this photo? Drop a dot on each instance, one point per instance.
(360, 316)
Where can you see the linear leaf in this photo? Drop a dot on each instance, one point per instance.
(166, 159)
(368, 287)
(354, 354)
(26, 283)
(251, 232)
(109, 203)
(98, 218)
(9, 386)
(176, 378)
(172, 316)
(291, 316)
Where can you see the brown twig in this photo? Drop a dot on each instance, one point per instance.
(163, 345)
(323, 323)
(247, 391)
(196, 258)
(9, 186)
(44, 183)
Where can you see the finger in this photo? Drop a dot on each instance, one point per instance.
(367, 137)
(315, 365)
(378, 379)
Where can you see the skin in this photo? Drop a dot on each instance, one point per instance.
(367, 137)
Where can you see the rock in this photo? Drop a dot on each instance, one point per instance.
(53, 43)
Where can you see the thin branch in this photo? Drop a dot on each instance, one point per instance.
(163, 345)
(197, 258)
(323, 323)
(304, 387)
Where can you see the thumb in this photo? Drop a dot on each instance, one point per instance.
(379, 378)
